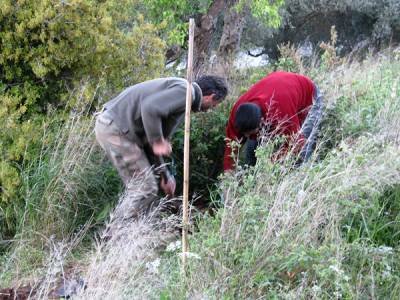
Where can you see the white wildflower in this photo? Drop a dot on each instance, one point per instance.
(153, 266)
(387, 272)
(337, 294)
(316, 289)
(301, 195)
(335, 268)
(173, 246)
(384, 250)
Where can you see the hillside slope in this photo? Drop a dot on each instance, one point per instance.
(328, 229)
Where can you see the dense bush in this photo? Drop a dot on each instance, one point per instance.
(57, 56)
(207, 142)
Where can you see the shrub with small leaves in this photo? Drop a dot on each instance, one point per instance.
(62, 56)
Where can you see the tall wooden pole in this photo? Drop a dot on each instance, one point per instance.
(185, 219)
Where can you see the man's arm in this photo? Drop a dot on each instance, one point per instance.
(167, 180)
(154, 109)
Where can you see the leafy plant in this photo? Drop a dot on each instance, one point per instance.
(173, 16)
(62, 56)
(329, 58)
(207, 143)
(290, 59)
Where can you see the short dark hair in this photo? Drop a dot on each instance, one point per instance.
(247, 117)
(211, 84)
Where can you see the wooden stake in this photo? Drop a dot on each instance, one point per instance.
(185, 220)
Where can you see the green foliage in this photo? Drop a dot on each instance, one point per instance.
(357, 108)
(265, 11)
(382, 13)
(57, 56)
(173, 16)
(375, 221)
(253, 255)
(47, 39)
(68, 186)
(290, 60)
(207, 142)
(329, 58)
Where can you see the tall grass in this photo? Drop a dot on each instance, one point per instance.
(328, 229)
(127, 265)
(69, 187)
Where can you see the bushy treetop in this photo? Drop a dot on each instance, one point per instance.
(51, 48)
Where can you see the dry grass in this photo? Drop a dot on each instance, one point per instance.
(127, 266)
(280, 232)
(125, 262)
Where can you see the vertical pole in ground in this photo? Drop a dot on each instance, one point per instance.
(185, 219)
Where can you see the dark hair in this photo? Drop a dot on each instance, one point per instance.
(247, 117)
(211, 84)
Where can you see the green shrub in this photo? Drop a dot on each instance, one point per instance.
(57, 57)
(207, 143)
(375, 221)
(68, 186)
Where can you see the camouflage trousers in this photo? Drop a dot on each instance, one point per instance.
(133, 167)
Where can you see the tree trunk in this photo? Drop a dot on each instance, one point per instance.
(230, 40)
(205, 28)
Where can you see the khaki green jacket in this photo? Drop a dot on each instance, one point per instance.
(151, 110)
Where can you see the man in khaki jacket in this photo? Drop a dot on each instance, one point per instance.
(135, 128)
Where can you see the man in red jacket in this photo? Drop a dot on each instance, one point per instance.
(281, 104)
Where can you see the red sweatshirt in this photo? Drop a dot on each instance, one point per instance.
(285, 99)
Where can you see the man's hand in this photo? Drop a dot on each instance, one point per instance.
(162, 148)
(169, 186)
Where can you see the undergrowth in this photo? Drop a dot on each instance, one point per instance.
(328, 229)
